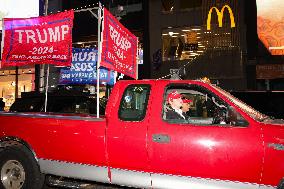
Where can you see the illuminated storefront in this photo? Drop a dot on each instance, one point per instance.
(8, 83)
(208, 34)
(231, 42)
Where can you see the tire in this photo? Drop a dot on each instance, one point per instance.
(19, 169)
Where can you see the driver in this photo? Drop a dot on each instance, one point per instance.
(175, 101)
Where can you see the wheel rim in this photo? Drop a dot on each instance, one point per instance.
(12, 175)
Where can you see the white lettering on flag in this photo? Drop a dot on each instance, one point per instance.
(119, 40)
(55, 34)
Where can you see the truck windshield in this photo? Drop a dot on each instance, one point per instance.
(246, 108)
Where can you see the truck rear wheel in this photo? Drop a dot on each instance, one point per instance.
(19, 169)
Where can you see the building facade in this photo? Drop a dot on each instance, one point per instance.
(206, 37)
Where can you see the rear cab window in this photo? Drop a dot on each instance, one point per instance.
(134, 103)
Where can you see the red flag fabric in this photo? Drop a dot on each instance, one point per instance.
(40, 40)
(119, 47)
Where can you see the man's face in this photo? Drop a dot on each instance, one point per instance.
(176, 103)
(185, 107)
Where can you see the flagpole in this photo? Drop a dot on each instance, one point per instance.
(136, 77)
(114, 77)
(46, 88)
(47, 74)
(99, 59)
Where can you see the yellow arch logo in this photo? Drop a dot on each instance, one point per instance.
(220, 15)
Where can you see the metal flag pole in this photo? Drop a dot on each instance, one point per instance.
(114, 77)
(136, 77)
(47, 74)
(99, 58)
(46, 88)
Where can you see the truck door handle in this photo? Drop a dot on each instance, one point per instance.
(161, 138)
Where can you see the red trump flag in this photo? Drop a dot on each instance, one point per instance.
(119, 47)
(40, 40)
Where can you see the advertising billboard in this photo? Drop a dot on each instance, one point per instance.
(270, 25)
(18, 9)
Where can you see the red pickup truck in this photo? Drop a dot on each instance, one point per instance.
(224, 144)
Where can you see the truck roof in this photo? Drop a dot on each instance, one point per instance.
(164, 81)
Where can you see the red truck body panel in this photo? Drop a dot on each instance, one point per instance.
(239, 154)
(203, 150)
(60, 139)
(126, 140)
(274, 153)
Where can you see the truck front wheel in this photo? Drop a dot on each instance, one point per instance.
(19, 169)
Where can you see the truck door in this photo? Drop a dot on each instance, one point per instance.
(127, 137)
(206, 149)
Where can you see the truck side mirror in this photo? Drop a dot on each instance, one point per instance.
(241, 123)
(235, 118)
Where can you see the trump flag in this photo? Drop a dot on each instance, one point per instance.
(40, 40)
(119, 47)
(83, 69)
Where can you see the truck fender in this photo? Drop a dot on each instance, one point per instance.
(14, 141)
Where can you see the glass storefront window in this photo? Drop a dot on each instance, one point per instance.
(185, 43)
(8, 84)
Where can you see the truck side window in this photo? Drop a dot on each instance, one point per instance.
(134, 102)
(203, 107)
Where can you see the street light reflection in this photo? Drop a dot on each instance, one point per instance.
(208, 143)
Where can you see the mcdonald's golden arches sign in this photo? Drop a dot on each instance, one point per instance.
(220, 15)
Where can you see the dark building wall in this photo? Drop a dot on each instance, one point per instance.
(145, 69)
(250, 14)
